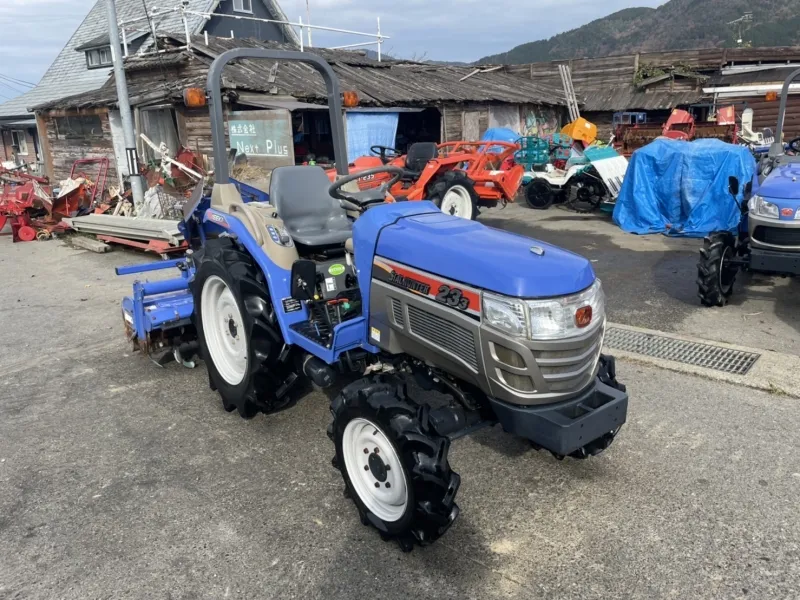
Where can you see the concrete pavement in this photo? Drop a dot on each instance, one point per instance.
(119, 479)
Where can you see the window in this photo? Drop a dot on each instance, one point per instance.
(78, 128)
(245, 6)
(18, 140)
(98, 58)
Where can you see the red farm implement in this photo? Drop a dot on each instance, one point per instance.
(23, 198)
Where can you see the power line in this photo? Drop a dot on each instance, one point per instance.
(14, 79)
(11, 87)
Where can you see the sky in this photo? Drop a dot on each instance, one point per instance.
(32, 32)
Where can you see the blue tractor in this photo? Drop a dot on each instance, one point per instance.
(394, 300)
(768, 238)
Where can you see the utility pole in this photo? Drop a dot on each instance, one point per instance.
(124, 106)
(308, 18)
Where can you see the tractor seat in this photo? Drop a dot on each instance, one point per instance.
(418, 156)
(311, 215)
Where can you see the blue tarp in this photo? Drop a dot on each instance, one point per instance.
(681, 188)
(365, 129)
(500, 134)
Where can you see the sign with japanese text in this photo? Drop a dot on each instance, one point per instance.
(265, 136)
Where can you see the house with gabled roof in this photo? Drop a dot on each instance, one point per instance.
(84, 64)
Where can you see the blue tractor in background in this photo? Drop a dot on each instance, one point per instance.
(394, 299)
(768, 237)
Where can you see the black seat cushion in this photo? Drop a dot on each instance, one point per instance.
(311, 215)
(419, 154)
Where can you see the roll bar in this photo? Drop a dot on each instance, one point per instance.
(777, 146)
(214, 91)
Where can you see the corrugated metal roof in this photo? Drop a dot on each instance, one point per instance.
(68, 74)
(628, 98)
(389, 83)
(775, 75)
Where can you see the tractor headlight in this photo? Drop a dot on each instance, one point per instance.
(761, 207)
(505, 314)
(560, 318)
(551, 319)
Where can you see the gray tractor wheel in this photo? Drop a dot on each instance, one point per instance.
(393, 463)
(715, 276)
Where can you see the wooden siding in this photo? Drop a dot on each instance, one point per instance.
(765, 114)
(63, 152)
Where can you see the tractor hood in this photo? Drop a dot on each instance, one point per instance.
(483, 257)
(783, 183)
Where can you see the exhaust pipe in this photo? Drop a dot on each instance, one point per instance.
(318, 371)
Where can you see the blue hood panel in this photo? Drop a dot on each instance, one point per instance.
(484, 257)
(783, 183)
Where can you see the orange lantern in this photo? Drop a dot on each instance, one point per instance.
(194, 97)
(772, 96)
(350, 99)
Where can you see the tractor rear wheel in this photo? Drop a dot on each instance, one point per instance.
(393, 463)
(715, 274)
(539, 194)
(238, 335)
(454, 193)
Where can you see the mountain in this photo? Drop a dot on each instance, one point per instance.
(678, 24)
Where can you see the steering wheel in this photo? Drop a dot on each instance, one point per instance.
(794, 145)
(382, 150)
(360, 201)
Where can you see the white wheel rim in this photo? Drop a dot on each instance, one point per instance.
(387, 501)
(457, 202)
(223, 328)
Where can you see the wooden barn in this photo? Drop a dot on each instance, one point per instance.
(657, 82)
(399, 102)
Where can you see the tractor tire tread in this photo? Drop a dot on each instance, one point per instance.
(709, 287)
(247, 283)
(433, 484)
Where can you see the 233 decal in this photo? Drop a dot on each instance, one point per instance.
(453, 297)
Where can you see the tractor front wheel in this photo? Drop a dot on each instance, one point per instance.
(237, 333)
(393, 463)
(715, 273)
(454, 193)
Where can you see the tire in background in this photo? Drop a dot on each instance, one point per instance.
(438, 189)
(715, 280)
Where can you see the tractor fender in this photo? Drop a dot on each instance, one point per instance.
(275, 262)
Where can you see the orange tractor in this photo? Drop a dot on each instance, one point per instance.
(456, 176)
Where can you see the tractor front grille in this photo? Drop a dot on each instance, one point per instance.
(777, 236)
(448, 336)
(570, 370)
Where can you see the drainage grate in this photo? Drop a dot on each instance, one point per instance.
(691, 353)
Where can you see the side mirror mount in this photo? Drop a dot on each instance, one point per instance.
(733, 185)
(304, 279)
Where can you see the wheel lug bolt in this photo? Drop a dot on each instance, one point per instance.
(366, 467)
(388, 485)
(388, 468)
(377, 451)
(377, 484)
(366, 451)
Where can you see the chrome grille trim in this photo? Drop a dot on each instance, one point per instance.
(565, 370)
(448, 336)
